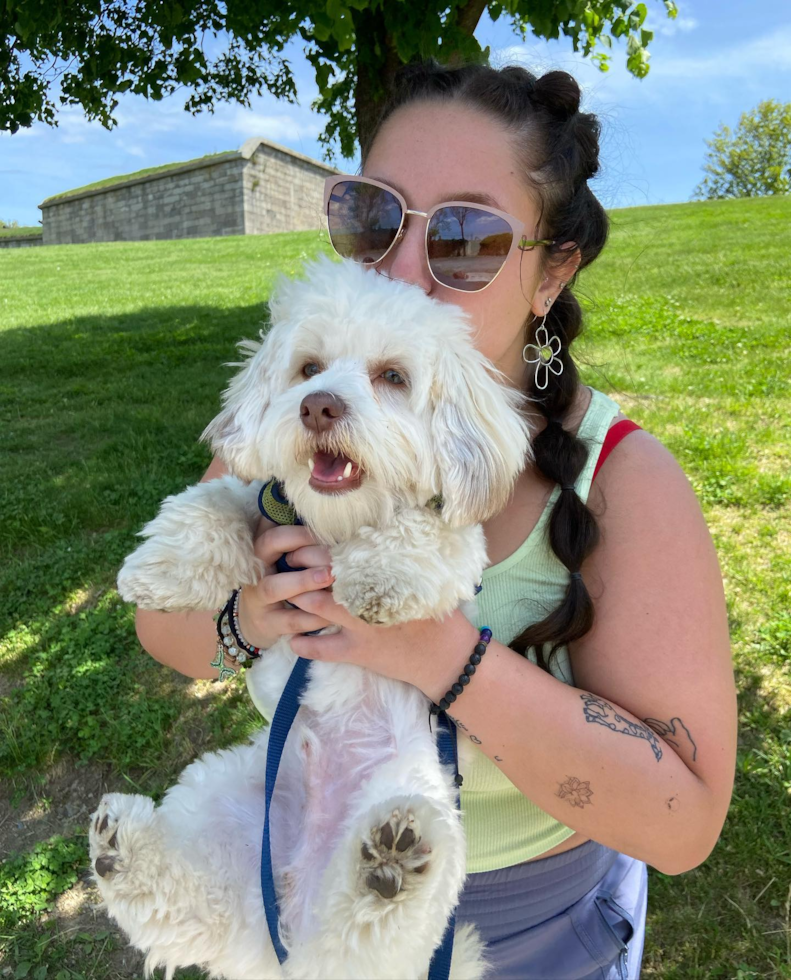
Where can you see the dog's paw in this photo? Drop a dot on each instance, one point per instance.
(393, 856)
(154, 578)
(123, 836)
(368, 601)
(103, 839)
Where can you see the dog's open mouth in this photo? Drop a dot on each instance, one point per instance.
(333, 473)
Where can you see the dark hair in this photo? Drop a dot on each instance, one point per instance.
(558, 147)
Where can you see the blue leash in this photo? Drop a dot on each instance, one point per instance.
(285, 714)
(274, 505)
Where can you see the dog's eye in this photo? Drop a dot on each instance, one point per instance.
(309, 370)
(393, 377)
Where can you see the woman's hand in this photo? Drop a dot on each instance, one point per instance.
(426, 653)
(263, 617)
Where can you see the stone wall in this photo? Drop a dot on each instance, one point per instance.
(283, 190)
(20, 241)
(258, 189)
(194, 201)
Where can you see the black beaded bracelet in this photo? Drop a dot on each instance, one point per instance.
(229, 636)
(464, 678)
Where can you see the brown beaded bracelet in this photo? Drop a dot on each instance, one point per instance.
(464, 678)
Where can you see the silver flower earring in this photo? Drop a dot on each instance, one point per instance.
(547, 355)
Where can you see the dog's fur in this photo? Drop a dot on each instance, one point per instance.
(367, 844)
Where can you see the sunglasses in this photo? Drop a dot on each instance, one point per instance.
(467, 245)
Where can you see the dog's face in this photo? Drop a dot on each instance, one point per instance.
(366, 395)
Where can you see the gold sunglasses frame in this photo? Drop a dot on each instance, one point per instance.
(518, 241)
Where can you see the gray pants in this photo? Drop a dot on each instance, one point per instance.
(578, 915)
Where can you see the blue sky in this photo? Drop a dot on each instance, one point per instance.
(719, 58)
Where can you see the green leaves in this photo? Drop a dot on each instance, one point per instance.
(342, 26)
(30, 882)
(88, 54)
(637, 16)
(753, 161)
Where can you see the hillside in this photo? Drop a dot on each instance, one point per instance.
(114, 357)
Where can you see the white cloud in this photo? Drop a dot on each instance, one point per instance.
(707, 77)
(667, 27)
(293, 124)
(748, 61)
(131, 148)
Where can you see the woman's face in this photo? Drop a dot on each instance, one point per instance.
(432, 153)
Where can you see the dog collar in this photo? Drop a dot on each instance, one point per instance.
(275, 506)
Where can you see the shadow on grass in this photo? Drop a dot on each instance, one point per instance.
(100, 417)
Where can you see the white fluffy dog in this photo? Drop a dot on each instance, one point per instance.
(366, 399)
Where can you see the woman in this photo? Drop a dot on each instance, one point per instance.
(593, 745)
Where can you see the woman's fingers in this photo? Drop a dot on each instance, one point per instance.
(286, 585)
(311, 556)
(295, 621)
(275, 542)
(321, 603)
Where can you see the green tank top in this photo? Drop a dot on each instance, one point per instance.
(503, 827)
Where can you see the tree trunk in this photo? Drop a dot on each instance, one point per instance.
(375, 71)
(377, 62)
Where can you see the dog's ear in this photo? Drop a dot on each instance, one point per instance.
(235, 433)
(480, 435)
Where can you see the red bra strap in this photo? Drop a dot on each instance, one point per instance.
(611, 440)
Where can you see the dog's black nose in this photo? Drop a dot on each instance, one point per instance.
(320, 410)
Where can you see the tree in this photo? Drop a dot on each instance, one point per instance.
(753, 161)
(87, 52)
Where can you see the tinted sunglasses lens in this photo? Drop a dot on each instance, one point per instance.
(363, 220)
(467, 246)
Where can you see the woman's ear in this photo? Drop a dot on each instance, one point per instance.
(555, 278)
(480, 436)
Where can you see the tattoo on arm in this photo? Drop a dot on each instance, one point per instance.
(576, 792)
(463, 727)
(600, 711)
(671, 728)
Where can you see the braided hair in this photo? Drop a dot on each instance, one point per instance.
(558, 148)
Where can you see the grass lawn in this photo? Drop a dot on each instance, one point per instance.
(7, 231)
(124, 178)
(114, 358)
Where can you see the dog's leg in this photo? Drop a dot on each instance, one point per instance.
(387, 895)
(199, 548)
(182, 880)
(397, 869)
(415, 568)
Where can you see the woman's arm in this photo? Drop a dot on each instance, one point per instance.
(640, 754)
(187, 641)
(184, 641)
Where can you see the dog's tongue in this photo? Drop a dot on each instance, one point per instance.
(330, 469)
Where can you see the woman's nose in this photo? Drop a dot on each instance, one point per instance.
(407, 259)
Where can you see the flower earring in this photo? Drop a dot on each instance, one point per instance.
(547, 355)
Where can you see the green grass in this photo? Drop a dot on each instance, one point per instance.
(7, 232)
(114, 358)
(123, 178)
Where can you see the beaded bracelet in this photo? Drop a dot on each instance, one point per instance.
(230, 641)
(464, 678)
